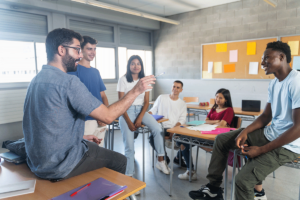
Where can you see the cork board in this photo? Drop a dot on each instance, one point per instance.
(291, 38)
(209, 54)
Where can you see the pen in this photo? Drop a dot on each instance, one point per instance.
(159, 74)
(80, 190)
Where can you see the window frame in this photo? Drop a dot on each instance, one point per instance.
(116, 42)
(24, 38)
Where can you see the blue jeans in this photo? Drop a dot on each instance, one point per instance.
(186, 154)
(128, 135)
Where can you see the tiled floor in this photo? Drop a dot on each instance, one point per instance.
(284, 187)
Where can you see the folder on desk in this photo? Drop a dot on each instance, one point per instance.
(99, 189)
(158, 117)
(195, 123)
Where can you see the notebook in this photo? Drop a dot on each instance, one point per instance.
(12, 157)
(195, 123)
(99, 189)
(158, 117)
(16, 189)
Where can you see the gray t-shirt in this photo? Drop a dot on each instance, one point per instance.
(55, 108)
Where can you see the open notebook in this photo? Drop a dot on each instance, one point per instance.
(98, 189)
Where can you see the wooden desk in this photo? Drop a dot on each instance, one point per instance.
(193, 134)
(238, 111)
(11, 173)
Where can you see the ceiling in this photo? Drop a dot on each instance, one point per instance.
(167, 7)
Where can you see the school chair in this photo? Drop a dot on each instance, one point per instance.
(293, 164)
(144, 130)
(188, 100)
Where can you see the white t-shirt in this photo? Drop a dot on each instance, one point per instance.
(124, 86)
(175, 111)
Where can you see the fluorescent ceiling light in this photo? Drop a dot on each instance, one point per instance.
(127, 11)
(271, 2)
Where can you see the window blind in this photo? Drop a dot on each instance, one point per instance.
(128, 36)
(24, 23)
(101, 33)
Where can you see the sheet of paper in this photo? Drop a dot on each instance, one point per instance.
(233, 56)
(296, 62)
(206, 75)
(253, 68)
(221, 47)
(210, 67)
(203, 127)
(251, 48)
(218, 67)
(229, 68)
(294, 45)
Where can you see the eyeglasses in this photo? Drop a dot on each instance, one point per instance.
(76, 48)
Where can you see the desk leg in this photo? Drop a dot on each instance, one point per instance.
(113, 135)
(172, 166)
(233, 174)
(143, 154)
(190, 169)
(109, 138)
(225, 181)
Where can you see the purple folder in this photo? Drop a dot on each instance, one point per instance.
(158, 117)
(98, 189)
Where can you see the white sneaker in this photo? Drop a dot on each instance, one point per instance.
(137, 193)
(186, 175)
(162, 166)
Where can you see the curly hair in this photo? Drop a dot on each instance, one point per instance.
(57, 37)
(282, 47)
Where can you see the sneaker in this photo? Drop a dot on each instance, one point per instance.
(260, 195)
(204, 194)
(176, 161)
(186, 175)
(162, 166)
(137, 193)
(168, 144)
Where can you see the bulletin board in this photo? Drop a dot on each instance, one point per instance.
(294, 51)
(240, 68)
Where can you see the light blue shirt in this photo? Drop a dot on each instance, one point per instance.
(55, 107)
(284, 96)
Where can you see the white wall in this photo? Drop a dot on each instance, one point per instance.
(206, 89)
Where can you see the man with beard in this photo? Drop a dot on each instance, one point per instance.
(267, 147)
(55, 108)
(91, 78)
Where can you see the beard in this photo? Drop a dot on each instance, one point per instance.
(69, 63)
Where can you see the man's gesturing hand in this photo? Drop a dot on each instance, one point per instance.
(144, 84)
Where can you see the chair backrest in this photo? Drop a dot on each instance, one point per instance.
(190, 99)
(237, 122)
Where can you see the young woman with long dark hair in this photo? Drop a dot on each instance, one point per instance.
(133, 118)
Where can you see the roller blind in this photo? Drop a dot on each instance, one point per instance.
(99, 32)
(128, 36)
(24, 23)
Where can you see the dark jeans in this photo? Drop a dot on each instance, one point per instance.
(186, 154)
(254, 171)
(97, 157)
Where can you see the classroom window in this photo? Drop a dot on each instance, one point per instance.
(125, 54)
(105, 62)
(17, 61)
(41, 56)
